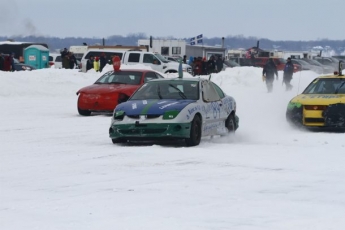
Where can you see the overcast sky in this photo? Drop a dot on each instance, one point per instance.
(272, 19)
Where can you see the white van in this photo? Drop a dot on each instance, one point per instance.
(55, 60)
(156, 61)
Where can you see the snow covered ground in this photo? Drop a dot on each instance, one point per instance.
(59, 170)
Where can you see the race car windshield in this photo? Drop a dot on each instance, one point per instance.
(125, 77)
(326, 86)
(180, 90)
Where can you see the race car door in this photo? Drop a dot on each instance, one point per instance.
(215, 115)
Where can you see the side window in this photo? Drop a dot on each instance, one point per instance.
(148, 58)
(149, 76)
(51, 58)
(326, 61)
(156, 61)
(219, 90)
(134, 57)
(209, 93)
(58, 59)
(91, 53)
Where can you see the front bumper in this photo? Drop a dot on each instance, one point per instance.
(137, 131)
(332, 117)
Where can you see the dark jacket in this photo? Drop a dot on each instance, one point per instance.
(211, 65)
(72, 61)
(288, 69)
(219, 63)
(270, 69)
(2, 60)
(102, 63)
(89, 64)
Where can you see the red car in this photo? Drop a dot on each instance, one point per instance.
(111, 89)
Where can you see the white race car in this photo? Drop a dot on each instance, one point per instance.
(175, 108)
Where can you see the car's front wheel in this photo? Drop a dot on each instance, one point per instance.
(118, 140)
(84, 112)
(195, 132)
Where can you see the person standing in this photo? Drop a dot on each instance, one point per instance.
(219, 64)
(102, 62)
(184, 59)
(211, 65)
(89, 63)
(268, 72)
(2, 61)
(65, 61)
(288, 72)
(12, 62)
(96, 64)
(72, 61)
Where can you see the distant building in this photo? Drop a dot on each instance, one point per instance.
(181, 48)
(165, 47)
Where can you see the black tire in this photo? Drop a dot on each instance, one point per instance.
(118, 140)
(195, 132)
(230, 123)
(84, 112)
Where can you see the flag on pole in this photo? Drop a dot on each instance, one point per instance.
(196, 40)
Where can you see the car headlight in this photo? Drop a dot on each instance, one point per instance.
(119, 115)
(170, 115)
(292, 105)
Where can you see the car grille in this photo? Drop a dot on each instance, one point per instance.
(150, 116)
(314, 120)
(141, 131)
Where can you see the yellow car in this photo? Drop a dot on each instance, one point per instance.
(322, 103)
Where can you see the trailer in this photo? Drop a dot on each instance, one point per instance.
(8, 47)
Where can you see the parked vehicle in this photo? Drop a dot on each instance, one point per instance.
(325, 68)
(173, 58)
(110, 89)
(330, 61)
(155, 61)
(21, 66)
(55, 60)
(175, 109)
(231, 63)
(306, 66)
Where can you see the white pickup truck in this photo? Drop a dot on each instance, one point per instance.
(156, 61)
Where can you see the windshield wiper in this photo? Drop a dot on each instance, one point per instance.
(341, 85)
(179, 91)
(117, 82)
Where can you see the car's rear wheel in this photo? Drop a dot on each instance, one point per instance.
(230, 123)
(84, 112)
(195, 132)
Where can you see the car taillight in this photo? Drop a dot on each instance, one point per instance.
(51, 63)
(315, 107)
